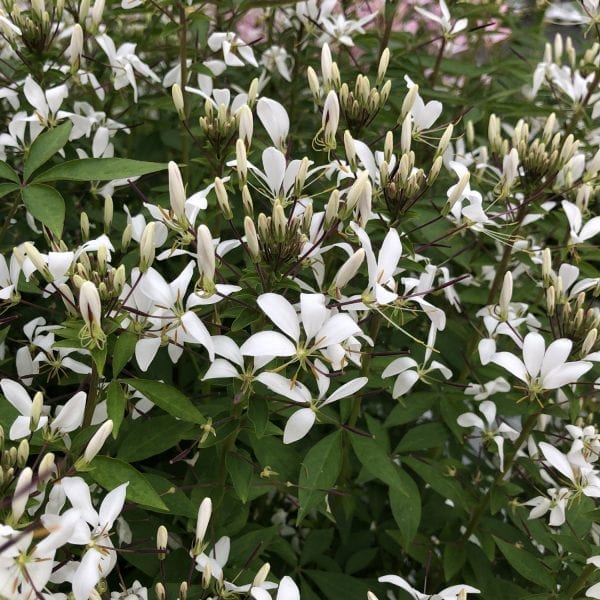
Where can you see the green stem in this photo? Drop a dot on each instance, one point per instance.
(185, 140)
(508, 463)
(92, 397)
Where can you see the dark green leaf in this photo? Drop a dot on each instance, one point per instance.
(422, 437)
(6, 172)
(111, 472)
(115, 405)
(319, 472)
(124, 348)
(405, 503)
(240, 471)
(46, 205)
(455, 556)
(168, 398)
(45, 146)
(99, 169)
(526, 564)
(8, 188)
(146, 438)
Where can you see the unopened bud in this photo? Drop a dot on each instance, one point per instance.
(546, 265)
(206, 254)
(47, 468)
(301, 177)
(261, 576)
(384, 61)
(223, 199)
(241, 161)
(95, 444)
(435, 170)
(349, 149)
(458, 190)
(161, 541)
(177, 195)
(247, 201)
(183, 590)
(331, 118)
(246, 124)
(21, 494)
(313, 84)
(408, 102)
(147, 247)
(589, 342)
(76, 46)
(178, 100)
(550, 300)
(22, 453)
(406, 135)
(279, 221)
(159, 590)
(332, 208)
(470, 133)
(126, 237)
(349, 269)
(506, 294)
(204, 514)
(38, 260)
(356, 192)
(326, 66)
(97, 12)
(206, 575)
(108, 213)
(252, 93)
(36, 411)
(445, 139)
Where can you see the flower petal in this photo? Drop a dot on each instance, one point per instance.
(282, 313)
(268, 343)
(556, 355)
(564, 374)
(534, 348)
(298, 425)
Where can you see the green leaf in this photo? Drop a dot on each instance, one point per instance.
(115, 405)
(422, 437)
(7, 188)
(6, 172)
(258, 413)
(111, 472)
(318, 472)
(455, 556)
(377, 462)
(240, 470)
(444, 485)
(124, 348)
(99, 169)
(46, 205)
(45, 146)
(526, 564)
(406, 507)
(334, 586)
(146, 438)
(169, 399)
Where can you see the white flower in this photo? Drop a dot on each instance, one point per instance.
(16, 394)
(424, 115)
(93, 532)
(580, 233)
(233, 47)
(444, 21)
(275, 120)
(300, 423)
(490, 432)
(322, 328)
(46, 104)
(543, 369)
(556, 503)
(216, 559)
(277, 57)
(484, 391)
(446, 594)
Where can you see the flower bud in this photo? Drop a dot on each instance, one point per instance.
(349, 149)
(22, 453)
(38, 7)
(445, 140)
(406, 135)
(161, 541)
(47, 468)
(247, 201)
(279, 221)
(159, 590)
(301, 177)
(38, 260)
(546, 265)
(36, 411)
(458, 190)
(251, 239)
(331, 118)
(506, 294)
(126, 237)
(97, 12)
(435, 170)
(206, 255)
(206, 575)
(408, 102)
(260, 577)
(313, 84)
(589, 342)
(84, 9)
(76, 46)
(183, 590)
(349, 269)
(384, 61)
(388, 146)
(222, 199)
(119, 276)
(246, 124)
(177, 195)
(359, 188)
(90, 306)
(108, 213)
(326, 66)
(550, 300)
(204, 514)
(147, 247)
(332, 208)
(252, 93)
(21, 494)
(95, 444)
(178, 100)
(241, 161)
(470, 133)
